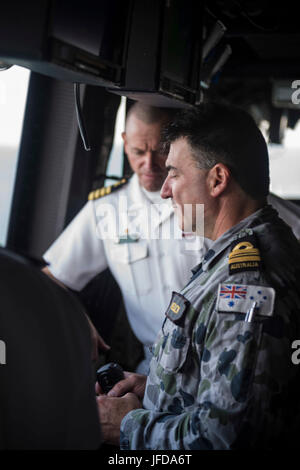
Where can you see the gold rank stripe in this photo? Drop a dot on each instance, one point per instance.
(247, 250)
(234, 254)
(245, 259)
(105, 190)
(238, 255)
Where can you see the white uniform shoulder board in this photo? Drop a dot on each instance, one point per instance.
(106, 190)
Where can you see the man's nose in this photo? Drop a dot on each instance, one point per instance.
(149, 161)
(166, 190)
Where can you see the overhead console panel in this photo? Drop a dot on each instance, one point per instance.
(143, 49)
(84, 42)
(164, 52)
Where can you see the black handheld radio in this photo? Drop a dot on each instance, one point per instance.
(108, 375)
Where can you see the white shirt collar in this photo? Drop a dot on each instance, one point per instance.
(139, 197)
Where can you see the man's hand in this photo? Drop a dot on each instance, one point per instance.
(134, 383)
(112, 411)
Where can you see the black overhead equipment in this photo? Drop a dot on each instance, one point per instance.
(144, 49)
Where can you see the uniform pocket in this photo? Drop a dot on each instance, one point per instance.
(140, 266)
(174, 346)
(119, 253)
(131, 260)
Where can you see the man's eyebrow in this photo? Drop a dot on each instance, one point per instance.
(170, 167)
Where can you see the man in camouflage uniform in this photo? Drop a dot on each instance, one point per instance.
(221, 376)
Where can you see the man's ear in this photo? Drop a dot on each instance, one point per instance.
(123, 135)
(218, 179)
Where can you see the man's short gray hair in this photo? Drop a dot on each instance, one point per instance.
(149, 114)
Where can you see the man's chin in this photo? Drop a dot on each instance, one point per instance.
(184, 225)
(151, 184)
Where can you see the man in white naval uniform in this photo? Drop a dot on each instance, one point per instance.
(149, 256)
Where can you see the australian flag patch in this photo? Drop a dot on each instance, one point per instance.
(237, 298)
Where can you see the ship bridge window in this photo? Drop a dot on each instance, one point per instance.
(285, 165)
(13, 94)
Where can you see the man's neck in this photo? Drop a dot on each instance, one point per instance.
(154, 196)
(231, 212)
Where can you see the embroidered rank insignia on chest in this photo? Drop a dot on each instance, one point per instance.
(244, 255)
(177, 308)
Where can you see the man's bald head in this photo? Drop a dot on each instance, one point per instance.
(149, 114)
(142, 139)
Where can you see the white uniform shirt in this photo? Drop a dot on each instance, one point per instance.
(147, 270)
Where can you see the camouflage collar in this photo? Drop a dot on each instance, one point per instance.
(242, 229)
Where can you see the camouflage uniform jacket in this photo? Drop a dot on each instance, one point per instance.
(217, 381)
